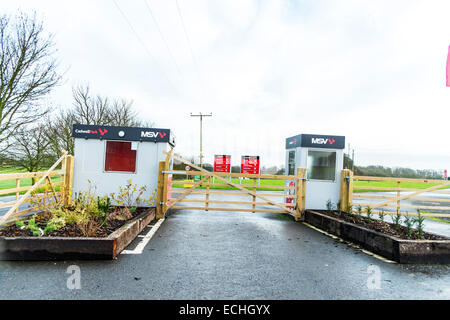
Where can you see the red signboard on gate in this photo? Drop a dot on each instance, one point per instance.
(222, 163)
(250, 164)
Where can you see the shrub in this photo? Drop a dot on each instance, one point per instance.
(129, 195)
(381, 215)
(329, 205)
(409, 224)
(369, 213)
(419, 220)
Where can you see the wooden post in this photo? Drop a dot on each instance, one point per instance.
(17, 192)
(159, 191)
(300, 192)
(253, 197)
(68, 178)
(166, 182)
(350, 189)
(398, 196)
(344, 194)
(207, 192)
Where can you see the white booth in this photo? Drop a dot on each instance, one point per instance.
(107, 156)
(323, 158)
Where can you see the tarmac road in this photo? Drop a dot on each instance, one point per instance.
(230, 255)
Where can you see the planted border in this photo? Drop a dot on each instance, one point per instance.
(399, 250)
(75, 248)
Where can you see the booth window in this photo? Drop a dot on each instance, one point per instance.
(291, 163)
(120, 156)
(321, 165)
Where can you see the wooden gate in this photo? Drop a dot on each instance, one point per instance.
(291, 194)
(399, 191)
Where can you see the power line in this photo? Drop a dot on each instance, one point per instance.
(162, 36)
(200, 79)
(143, 44)
(186, 35)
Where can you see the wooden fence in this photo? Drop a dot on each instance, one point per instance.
(392, 203)
(257, 198)
(34, 192)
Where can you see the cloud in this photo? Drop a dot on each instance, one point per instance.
(372, 71)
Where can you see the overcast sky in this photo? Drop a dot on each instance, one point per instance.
(373, 71)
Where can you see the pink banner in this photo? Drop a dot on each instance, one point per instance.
(448, 67)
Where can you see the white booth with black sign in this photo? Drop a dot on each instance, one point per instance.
(108, 156)
(323, 158)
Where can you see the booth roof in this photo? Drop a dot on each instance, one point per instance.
(85, 131)
(315, 141)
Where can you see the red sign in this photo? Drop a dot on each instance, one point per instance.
(250, 164)
(222, 163)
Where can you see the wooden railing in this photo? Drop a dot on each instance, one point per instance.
(296, 191)
(393, 204)
(43, 193)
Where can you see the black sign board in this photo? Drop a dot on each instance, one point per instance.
(316, 141)
(122, 133)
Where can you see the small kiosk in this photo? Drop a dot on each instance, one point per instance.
(108, 156)
(323, 158)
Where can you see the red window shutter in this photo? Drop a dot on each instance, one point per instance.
(120, 157)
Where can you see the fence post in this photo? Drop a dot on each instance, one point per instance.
(207, 192)
(398, 197)
(344, 194)
(159, 191)
(166, 182)
(67, 167)
(254, 197)
(350, 190)
(17, 191)
(300, 193)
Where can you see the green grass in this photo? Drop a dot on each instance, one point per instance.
(439, 220)
(391, 184)
(244, 182)
(9, 184)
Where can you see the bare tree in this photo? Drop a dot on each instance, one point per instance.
(100, 110)
(27, 73)
(59, 132)
(29, 148)
(89, 109)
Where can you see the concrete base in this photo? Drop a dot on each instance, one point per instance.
(65, 248)
(402, 251)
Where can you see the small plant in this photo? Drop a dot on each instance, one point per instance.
(54, 224)
(382, 215)
(419, 220)
(338, 206)
(369, 213)
(396, 220)
(35, 230)
(129, 195)
(359, 211)
(409, 222)
(329, 205)
(104, 204)
(349, 209)
(19, 223)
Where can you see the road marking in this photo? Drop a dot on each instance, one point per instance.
(145, 239)
(350, 244)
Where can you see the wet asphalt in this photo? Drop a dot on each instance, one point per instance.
(230, 255)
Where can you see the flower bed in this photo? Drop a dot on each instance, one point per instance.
(397, 243)
(74, 230)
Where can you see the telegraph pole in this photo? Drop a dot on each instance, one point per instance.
(201, 129)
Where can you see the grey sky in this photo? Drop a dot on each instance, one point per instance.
(373, 71)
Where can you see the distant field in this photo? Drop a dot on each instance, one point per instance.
(391, 184)
(8, 184)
